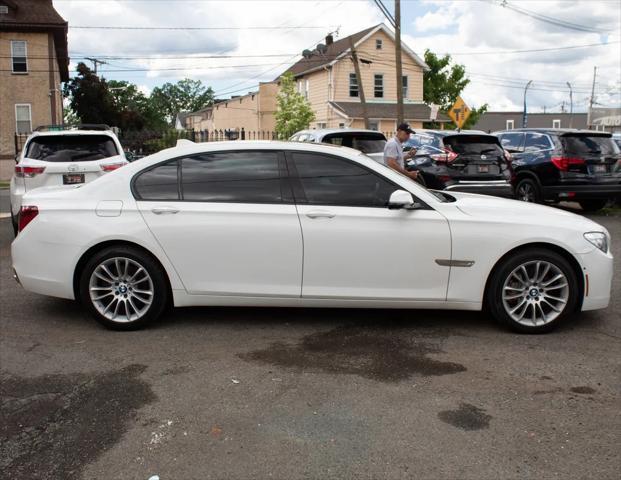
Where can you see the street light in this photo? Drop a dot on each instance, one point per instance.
(524, 115)
(571, 106)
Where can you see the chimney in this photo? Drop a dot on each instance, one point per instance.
(329, 39)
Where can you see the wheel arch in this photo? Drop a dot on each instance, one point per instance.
(571, 259)
(81, 264)
(520, 174)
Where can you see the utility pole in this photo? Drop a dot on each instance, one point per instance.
(354, 57)
(592, 100)
(95, 62)
(398, 62)
(524, 114)
(571, 106)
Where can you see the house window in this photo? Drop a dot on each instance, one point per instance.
(510, 125)
(374, 125)
(556, 123)
(4, 9)
(322, 125)
(378, 44)
(378, 86)
(23, 118)
(341, 125)
(353, 85)
(18, 55)
(404, 83)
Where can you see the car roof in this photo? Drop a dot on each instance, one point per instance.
(57, 133)
(320, 132)
(555, 131)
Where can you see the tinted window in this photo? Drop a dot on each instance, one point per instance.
(71, 148)
(585, 144)
(421, 140)
(536, 141)
(332, 181)
(511, 141)
(365, 142)
(472, 144)
(244, 177)
(159, 183)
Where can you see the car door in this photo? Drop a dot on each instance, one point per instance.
(226, 221)
(354, 245)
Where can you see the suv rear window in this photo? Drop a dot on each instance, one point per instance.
(589, 144)
(71, 148)
(365, 142)
(472, 144)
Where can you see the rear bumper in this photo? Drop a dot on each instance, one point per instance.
(582, 192)
(499, 188)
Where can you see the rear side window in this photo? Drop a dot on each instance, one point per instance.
(585, 144)
(158, 183)
(472, 144)
(537, 141)
(71, 148)
(327, 180)
(240, 177)
(512, 141)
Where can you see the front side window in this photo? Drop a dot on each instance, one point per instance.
(404, 83)
(158, 183)
(19, 56)
(237, 177)
(378, 89)
(353, 85)
(23, 122)
(536, 141)
(327, 180)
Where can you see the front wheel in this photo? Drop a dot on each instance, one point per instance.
(533, 291)
(592, 205)
(124, 288)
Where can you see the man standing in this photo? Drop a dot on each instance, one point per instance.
(393, 151)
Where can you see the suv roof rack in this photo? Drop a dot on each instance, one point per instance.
(84, 126)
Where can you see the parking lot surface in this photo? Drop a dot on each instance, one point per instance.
(307, 393)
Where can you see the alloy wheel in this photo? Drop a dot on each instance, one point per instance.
(526, 192)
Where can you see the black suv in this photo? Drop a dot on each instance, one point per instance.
(466, 161)
(564, 164)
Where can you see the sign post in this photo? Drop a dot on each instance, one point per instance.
(459, 112)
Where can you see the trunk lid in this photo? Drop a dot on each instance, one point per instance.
(478, 157)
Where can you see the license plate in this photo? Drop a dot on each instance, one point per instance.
(599, 168)
(73, 178)
(483, 168)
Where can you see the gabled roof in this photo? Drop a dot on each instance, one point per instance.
(340, 48)
(411, 111)
(38, 16)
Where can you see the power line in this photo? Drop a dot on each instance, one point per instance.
(106, 27)
(552, 49)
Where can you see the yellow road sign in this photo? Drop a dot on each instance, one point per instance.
(459, 112)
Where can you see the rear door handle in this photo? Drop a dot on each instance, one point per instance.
(320, 214)
(164, 210)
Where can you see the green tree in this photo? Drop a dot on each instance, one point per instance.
(293, 112)
(136, 111)
(444, 82)
(89, 97)
(184, 96)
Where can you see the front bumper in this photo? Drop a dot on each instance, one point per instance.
(597, 268)
(498, 188)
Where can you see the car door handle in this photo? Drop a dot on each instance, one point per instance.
(320, 214)
(164, 210)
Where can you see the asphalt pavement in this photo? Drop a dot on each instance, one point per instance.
(252, 393)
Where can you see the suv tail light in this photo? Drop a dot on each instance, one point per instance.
(28, 172)
(109, 167)
(26, 215)
(508, 156)
(563, 163)
(448, 156)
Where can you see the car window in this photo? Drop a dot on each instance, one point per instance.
(71, 148)
(511, 141)
(333, 139)
(240, 177)
(366, 142)
(327, 180)
(472, 144)
(294, 138)
(421, 140)
(589, 144)
(158, 183)
(536, 141)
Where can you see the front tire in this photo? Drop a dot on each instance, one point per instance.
(533, 291)
(592, 205)
(123, 288)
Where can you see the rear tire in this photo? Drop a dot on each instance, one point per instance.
(527, 190)
(592, 205)
(533, 291)
(123, 288)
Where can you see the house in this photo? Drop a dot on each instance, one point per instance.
(494, 121)
(34, 59)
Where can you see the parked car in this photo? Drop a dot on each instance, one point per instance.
(564, 164)
(192, 226)
(56, 155)
(617, 139)
(466, 161)
(369, 142)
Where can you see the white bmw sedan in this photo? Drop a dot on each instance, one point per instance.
(302, 225)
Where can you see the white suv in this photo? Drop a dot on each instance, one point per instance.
(55, 156)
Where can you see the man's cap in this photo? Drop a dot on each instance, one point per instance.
(405, 127)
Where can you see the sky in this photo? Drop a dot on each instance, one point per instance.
(261, 38)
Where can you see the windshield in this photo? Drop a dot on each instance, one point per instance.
(473, 144)
(71, 148)
(584, 145)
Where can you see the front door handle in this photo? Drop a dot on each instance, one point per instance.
(164, 210)
(320, 214)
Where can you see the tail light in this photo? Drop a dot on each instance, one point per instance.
(26, 215)
(448, 156)
(109, 167)
(28, 172)
(563, 163)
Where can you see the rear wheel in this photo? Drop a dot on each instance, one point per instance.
(528, 190)
(123, 288)
(533, 291)
(592, 205)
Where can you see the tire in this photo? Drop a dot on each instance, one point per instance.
(592, 205)
(506, 296)
(125, 302)
(527, 190)
(14, 223)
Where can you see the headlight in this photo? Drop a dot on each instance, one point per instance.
(598, 239)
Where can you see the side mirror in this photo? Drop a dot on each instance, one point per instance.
(401, 199)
